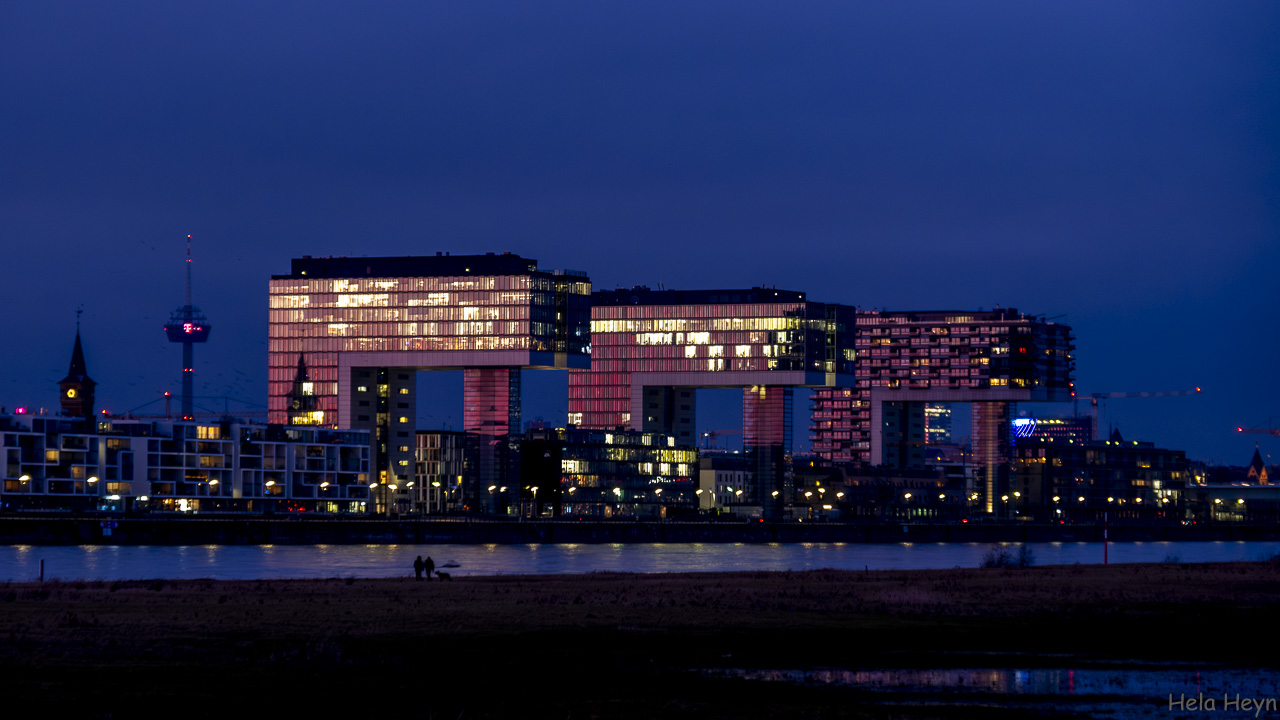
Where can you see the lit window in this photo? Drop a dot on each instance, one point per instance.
(404, 391)
(404, 419)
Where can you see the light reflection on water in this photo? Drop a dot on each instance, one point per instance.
(248, 562)
(1142, 683)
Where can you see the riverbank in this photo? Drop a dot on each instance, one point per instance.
(611, 645)
(53, 529)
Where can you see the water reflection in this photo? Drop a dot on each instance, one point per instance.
(93, 562)
(1146, 684)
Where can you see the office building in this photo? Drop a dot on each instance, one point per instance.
(652, 349)
(439, 468)
(1078, 481)
(606, 473)
(348, 335)
(905, 360)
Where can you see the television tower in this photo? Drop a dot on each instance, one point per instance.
(187, 325)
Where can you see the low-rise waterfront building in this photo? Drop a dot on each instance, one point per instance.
(600, 473)
(1076, 481)
(438, 471)
(724, 481)
(71, 463)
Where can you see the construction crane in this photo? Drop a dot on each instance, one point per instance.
(709, 436)
(1270, 429)
(1095, 397)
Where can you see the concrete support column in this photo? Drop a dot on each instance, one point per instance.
(490, 415)
(766, 435)
(991, 451)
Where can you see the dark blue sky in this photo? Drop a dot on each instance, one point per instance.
(1116, 163)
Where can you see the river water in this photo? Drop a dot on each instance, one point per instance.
(20, 563)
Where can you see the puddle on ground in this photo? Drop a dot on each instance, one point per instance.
(1120, 693)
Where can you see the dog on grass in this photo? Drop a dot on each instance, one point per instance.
(443, 575)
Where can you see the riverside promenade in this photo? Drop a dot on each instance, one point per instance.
(54, 529)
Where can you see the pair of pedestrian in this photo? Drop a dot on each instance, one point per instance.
(421, 565)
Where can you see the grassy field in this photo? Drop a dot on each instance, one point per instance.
(602, 645)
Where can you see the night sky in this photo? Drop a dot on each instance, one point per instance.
(1114, 163)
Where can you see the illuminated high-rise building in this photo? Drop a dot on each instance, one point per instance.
(906, 360)
(347, 336)
(937, 424)
(652, 349)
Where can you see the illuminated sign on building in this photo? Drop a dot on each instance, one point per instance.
(1023, 427)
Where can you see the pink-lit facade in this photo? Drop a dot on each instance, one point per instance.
(346, 336)
(907, 359)
(651, 350)
(691, 339)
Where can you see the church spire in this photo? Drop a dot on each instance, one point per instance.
(1257, 468)
(77, 387)
(302, 399)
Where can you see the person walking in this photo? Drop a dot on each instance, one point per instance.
(418, 567)
(430, 567)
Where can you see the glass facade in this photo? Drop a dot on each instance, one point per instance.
(438, 471)
(1079, 480)
(941, 357)
(710, 337)
(346, 336)
(449, 311)
(595, 473)
(766, 437)
(118, 464)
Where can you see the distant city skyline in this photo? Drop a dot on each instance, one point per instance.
(1112, 164)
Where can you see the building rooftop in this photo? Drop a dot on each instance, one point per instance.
(644, 296)
(438, 265)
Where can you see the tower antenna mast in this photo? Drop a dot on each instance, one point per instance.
(187, 325)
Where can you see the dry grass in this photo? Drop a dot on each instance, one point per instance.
(204, 639)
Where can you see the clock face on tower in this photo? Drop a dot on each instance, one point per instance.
(71, 392)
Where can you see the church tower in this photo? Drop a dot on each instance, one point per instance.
(302, 398)
(1257, 468)
(76, 389)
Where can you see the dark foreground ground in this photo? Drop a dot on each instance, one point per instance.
(608, 645)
